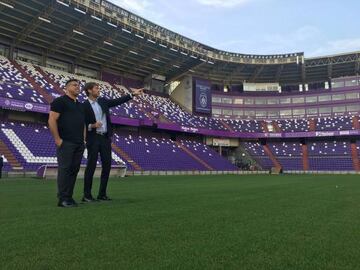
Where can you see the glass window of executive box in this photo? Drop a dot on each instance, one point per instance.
(227, 112)
(238, 112)
(298, 100)
(216, 99)
(337, 97)
(325, 111)
(249, 101)
(312, 111)
(285, 113)
(338, 109)
(259, 101)
(353, 108)
(272, 101)
(324, 98)
(261, 114)
(285, 100)
(238, 101)
(337, 84)
(352, 95)
(299, 112)
(216, 111)
(249, 113)
(273, 114)
(311, 99)
(351, 82)
(226, 100)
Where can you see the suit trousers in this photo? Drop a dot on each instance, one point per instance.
(101, 144)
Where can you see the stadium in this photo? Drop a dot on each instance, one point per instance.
(191, 158)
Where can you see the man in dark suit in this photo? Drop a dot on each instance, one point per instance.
(99, 132)
(66, 123)
(1, 165)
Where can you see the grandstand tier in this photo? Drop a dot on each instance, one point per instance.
(205, 109)
(38, 86)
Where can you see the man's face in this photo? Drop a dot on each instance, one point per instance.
(95, 91)
(73, 88)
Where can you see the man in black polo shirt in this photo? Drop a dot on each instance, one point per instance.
(67, 125)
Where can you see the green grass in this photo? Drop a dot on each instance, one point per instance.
(185, 222)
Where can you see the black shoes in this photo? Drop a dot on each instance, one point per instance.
(88, 199)
(72, 203)
(67, 203)
(103, 198)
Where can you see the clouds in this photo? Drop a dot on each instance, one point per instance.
(144, 8)
(337, 46)
(137, 6)
(254, 26)
(223, 3)
(273, 41)
(173, 15)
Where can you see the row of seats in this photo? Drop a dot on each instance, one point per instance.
(322, 155)
(32, 145)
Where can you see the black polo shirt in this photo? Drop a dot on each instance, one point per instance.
(71, 121)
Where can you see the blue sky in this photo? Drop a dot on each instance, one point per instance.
(315, 27)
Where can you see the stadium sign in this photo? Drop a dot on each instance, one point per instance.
(19, 105)
(202, 96)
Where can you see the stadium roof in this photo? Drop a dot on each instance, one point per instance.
(99, 34)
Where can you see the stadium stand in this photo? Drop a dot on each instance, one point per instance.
(330, 155)
(302, 116)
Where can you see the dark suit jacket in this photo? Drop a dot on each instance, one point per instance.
(1, 162)
(105, 105)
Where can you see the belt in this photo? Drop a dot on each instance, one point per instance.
(101, 133)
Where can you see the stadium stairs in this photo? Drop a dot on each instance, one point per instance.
(264, 126)
(126, 157)
(273, 159)
(33, 83)
(312, 125)
(48, 79)
(355, 122)
(226, 125)
(202, 162)
(355, 156)
(305, 157)
(276, 127)
(354, 150)
(14, 163)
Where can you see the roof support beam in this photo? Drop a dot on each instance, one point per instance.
(122, 54)
(236, 71)
(257, 72)
(303, 73)
(35, 22)
(185, 71)
(63, 39)
(329, 70)
(278, 73)
(98, 45)
(357, 67)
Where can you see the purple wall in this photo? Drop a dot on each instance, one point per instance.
(110, 77)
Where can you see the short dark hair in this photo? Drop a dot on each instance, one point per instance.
(71, 80)
(88, 86)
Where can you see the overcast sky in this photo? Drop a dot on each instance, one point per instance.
(315, 27)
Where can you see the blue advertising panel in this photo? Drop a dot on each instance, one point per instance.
(202, 96)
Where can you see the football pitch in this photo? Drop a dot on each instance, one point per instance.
(185, 222)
